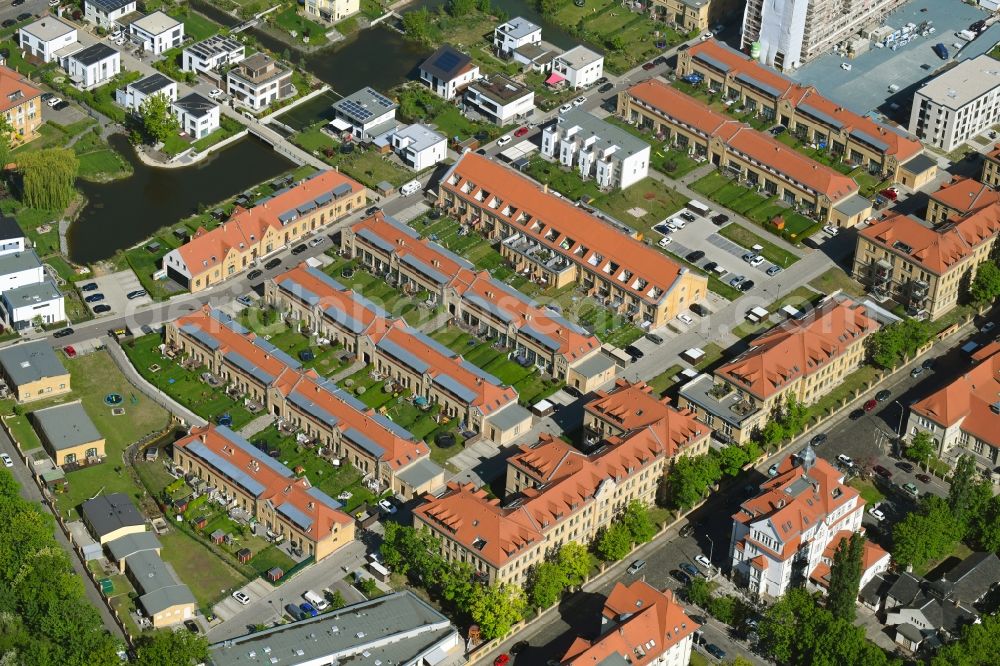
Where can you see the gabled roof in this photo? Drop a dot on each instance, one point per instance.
(971, 400)
(107, 513)
(15, 89)
(974, 576)
(798, 348)
(966, 195)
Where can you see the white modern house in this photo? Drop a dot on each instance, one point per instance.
(962, 102)
(514, 34)
(106, 12)
(258, 81)
(579, 66)
(43, 38)
(20, 268)
(198, 116)
(499, 99)
(332, 11)
(11, 236)
(597, 149)
(366, 113)
(210, 54)
(419, 146)
(157, 32)
(134, 94)
(41, 301)
(93, 66)
(448, 71)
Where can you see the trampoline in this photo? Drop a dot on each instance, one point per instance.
(113, 399)
(225, 420)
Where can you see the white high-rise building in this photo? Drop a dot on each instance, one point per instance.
(952, 108)
(793, 32)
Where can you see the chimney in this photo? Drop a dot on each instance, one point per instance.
(545, 188)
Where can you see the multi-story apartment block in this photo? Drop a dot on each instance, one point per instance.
(920, 266)
(558, 244)
(790, 33)
(348, 430)
(804, 358)
(258, 81)
(756, 158)
(687, 14)
(957, 105)
(515, 33)
(964, 416)
(639, 625)
(780, 537)
(556, 494)
(959, 198)
(811, 117)
(536, 335)
(332, 10)
(20, 103)
(250, 234)
(245, 477)
(597, 149)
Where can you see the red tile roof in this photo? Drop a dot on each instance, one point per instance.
(341, 300)
(968, 401)
(648, 624)
(798, 348)
(871, 555)
(569, 231)
(935, 250)
(966, 195)
(280, 487)
(15, 89)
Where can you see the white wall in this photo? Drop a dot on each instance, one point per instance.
(50, 312)
(97, 17)
(46, 50)
(198, 127)
(94, 75)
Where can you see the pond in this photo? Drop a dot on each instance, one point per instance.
(124, 212)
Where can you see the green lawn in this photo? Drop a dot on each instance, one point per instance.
(197, 26)
(665, 379)
(209, 578)
(382, 294)
(650, 199)
(837, 279)
(98, 161)
(22, 431)
(418, 104)
(845, 390)
(227, 128)
(662, 157)
(100, 99)
(314, 139)
(265, 322)
(869, 493)
(291, 21)
(562, 179)
(370, 168)
(748, 239)
(960, 552)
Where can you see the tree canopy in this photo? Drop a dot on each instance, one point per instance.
(845, 577)
(985, 287)
(157, 118)
(927, 534)
(638, 522)
(614, 542)
(170, 648)
(891, 344)
(497, 608)
(921, 448)
(47, 177)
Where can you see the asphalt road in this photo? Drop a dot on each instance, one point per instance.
(36, 7)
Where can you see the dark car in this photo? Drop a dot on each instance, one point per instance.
(634, 352)
(681, 577)
(689, 569)
(517, 647)
(654, 338)
(883, 395)
(94, 298)
(274, 263)
(695, 256)
(61, 105)
(720, 219)
(372, 210)
(700, 310)
(254, 274)
(777, 129)
(102, 308)
(928, 364)
(192, 626)
(856, 414)
(715, 651)
(90, 286)
(24, 16)
(63, 333)
(711, 266)
(648, 66)
(905, 466)
(308, 609)
(138, 293)
(606, 87)
(687, 530)
(818, 440)
(882, 471)
(924, 478)
(746, 285)
(870, 405)
(9, 23)
(17, 3)
(299, 249)
(689, 216)
(295, 612)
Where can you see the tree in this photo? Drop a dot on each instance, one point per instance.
(614, 543)
(575, 562)
(985, 287)
(484, 6)
(496, 608)
(690, 478)
(845, 577)
(966, 496)
(890, 344)
(47, 177)
(417, 24)
(461, 8)
(926, 534)
(157, 118)
(6, 144)
(985, 529)
(337, 600)
(732, 458)
(638, 522)
(699, 591)
(921, 448)
(457, 584)
(546, 585)
(977, 647)
(617, 43)
(549, 7)
(170, 648)
(723, 608)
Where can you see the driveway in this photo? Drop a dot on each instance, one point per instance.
(115, 287)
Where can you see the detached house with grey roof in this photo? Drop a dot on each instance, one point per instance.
(93, 66)
(32, 370)
(134, 94)
(104, 13)
(366, 114)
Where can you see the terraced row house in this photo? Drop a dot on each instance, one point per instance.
(480, 401)
(556, 494)
(804, 358)
(550, 240)
(848, 136)
(346, 428)
(251, 234)
(536, 335)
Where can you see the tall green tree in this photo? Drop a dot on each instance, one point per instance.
(732, 458)
(845, 577)
(926, 534)
(457, 584)
(157, 118)
(690, 478)
(575, 562)
(6, 144)
(546, 584)
(170, 648)
(417, 25)
(921, 448)
(967, 493)
(890, 344)
(699, 591)
(614, 543)
(638, 522)
(977, 647)
(985, 287)
(496, 608)
(461, 8)
(47, 177)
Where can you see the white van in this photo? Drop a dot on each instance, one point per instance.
(678, 222)
(410, 188)
(318, 602)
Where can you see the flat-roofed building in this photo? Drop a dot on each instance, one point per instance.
(368, 113)
(848, 136)
(513, 34)
(33, 371)
(343, 425)
(163, 599)
(536, 335)
(283, 502)
(210, 54)
(31, 304)
(12, 239)
(804, 358)
(111, 517)
(395, 628)
(332, 11)
(552, 241)
(68, 434)
(754, 158)
(499, 99)
(285, 217)
(45, 37)
(957, 105)
(920, 266)
(597, 149)
(259, 81)
(105, 13)
(418, 146)
(157, 32)
(580, 67)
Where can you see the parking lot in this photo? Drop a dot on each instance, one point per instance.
(115, 287)
(866, 85)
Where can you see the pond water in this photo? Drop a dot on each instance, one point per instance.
(123, 212)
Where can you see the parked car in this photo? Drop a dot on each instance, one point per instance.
(923, 478)
(606, 87)
(890, 193)
(634, 352)
(911, 490)
(876, 513)
(870, 405)
(773, 470)
(905, 466)
(720, 219)
(8, 23)
(295, 612)
(845, 460)
(62, 333)
(504, 140)
(648, 65)
(774, 270)
(299, 249)
(695, 256)
(856, 414)
(681, 577)
(521, 131)
(654, 338)
(215, 93)
(700, 310)
(882, 471)
(386, 506)
(60, 105)
(749, 256)
(686, 318)
(138, 293)
(102, 308)
(883, 395)
(580, 101)
(745, 285)
(756, 261)
(94, 298)
(308, 609)
(928, 364)
(24, 16)
(689, 569)
(988, 326)
(635, 567)
(703, 561)
(190, 625)
(687, 530)
(274, 263)
(316, 241)
(254, 274)
(565, 107)
(371, 210)
(818, 439)
(241, 597)
(831, 230)
(735, 281)
(52, 101)
(7, 462)
(715, 651)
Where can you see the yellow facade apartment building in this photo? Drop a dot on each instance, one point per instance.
(21, 105)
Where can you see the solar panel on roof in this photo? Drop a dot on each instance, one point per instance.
(451, 255)
(364, 442)
(447, 61)
(201, 336)
(712, 62)
(491, 308)
(399, 226)
(347, 321)
(300, 292)
(249, 367)
(820, 116)
(319, 495)
(341, 190)
(311, 408)
(376, 240)
(324, 278)
(453, 386)
(296, 515)
(479, 372)
(274, 351)
(540, 337)
(392, 426)
(227, 321)
(869, 139)
(241, 478)
(402, 355)
(252, 451)
(432, 343)
(759, 85)
(432, 273)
